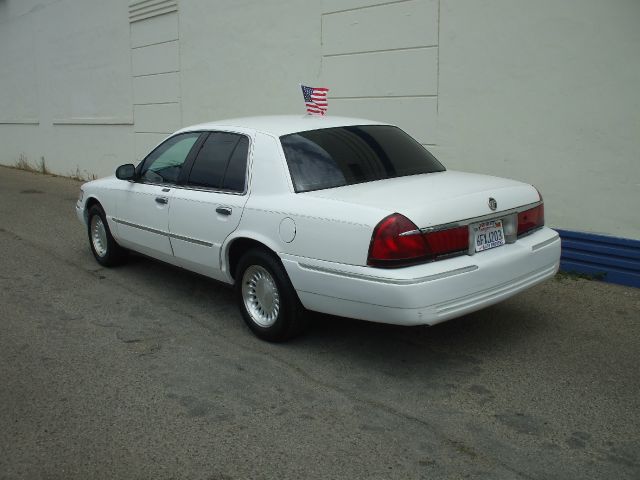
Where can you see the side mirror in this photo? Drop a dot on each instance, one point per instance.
(126, 172)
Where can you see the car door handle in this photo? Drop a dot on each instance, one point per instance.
(224, 210)
(162, 200)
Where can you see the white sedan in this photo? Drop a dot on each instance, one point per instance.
(343, 216)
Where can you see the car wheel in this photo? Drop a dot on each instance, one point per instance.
(268, 302)
(104, 248)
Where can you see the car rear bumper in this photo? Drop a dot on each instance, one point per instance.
(430, 293)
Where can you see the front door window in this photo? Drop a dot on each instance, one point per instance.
(165, 163)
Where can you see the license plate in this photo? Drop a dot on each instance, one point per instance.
(488, 235)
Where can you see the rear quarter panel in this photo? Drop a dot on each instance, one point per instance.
(325, 229)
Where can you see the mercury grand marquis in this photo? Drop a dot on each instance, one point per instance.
(342, 216)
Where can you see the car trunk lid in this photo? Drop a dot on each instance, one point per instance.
(436, 198)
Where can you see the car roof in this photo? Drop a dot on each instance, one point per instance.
(279, 125)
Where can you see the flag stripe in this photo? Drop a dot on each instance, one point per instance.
(315, 99)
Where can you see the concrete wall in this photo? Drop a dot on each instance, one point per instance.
(155, 63)
(65, 85)
(546, 91)
(378, 58)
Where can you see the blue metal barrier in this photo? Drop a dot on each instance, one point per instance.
(611, 259)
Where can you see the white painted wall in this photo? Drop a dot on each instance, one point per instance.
(248, 58)
(155, 61)
(545, 91)
(243, 58)
(548, 92)
(381, 60)
(65, 85)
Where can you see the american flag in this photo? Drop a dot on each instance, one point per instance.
(315, 99)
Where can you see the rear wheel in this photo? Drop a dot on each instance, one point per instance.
(103, 246)
(267, 300)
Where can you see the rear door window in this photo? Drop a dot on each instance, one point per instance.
(221, 163)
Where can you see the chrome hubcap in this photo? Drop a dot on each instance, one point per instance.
(98, 236)
(260, 295)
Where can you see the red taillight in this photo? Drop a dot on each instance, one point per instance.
(390, 248)
(530, 219)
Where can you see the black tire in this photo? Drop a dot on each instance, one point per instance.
(105, 249)
(291, 318)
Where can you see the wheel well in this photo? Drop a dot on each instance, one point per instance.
(90, 203)
(238, 248)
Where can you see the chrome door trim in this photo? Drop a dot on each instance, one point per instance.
(166, 234)
(190, 240)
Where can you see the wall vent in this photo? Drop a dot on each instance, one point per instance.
(143, 9)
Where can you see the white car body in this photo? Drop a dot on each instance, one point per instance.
(323, 237)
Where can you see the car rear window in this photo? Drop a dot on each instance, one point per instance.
(334, 157)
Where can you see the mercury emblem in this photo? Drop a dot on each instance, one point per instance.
(492, 203)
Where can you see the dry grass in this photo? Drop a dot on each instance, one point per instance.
(81, 177)
(23, 163)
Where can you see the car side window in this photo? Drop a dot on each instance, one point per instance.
(235, 176)
(164, 164)
(221, 163)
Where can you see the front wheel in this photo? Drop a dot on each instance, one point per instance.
(103, 246)
(267, 300)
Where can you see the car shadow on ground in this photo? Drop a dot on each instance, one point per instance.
(506, 323)
(455, 348)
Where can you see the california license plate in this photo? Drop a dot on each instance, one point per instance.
(488, 235)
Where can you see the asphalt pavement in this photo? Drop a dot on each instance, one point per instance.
(147, 371)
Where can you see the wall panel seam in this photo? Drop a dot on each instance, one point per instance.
(383, 97)
(155, 73)
(155, 43)
(363, 7)
(155, 103)
(399, 49)
(92, 121)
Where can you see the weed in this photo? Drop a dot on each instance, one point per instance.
(23, 163)
(81, 177)
(572, 275)
(77, 175)
(42, 167)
